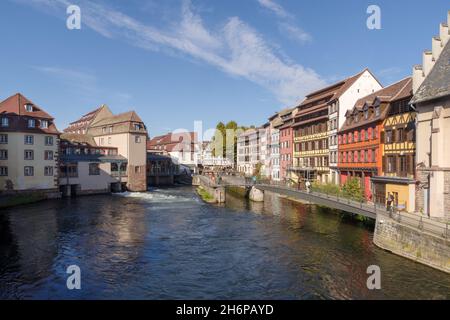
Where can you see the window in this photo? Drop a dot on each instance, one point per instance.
(389, 136)
(3, 154)
(137, 169)
(110, 129)
(28, 171)
(29, 139)
(391, 165)
(3, 138)
(31, 123)
(48, 171)
(402, 163)
(48, 155)
(94, 169)
(137, 127)
(366, 114)
(48, 141)
(44, 124)
(109, 140)
(104, 130)
(3, 171)
(29, 107)
(401, 135)
(377, 111)
(137, 139)
(28, 154)
(5, 122)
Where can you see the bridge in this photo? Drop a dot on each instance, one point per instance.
(331, 201)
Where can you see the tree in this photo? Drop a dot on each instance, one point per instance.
(352, 189)
(257, 171)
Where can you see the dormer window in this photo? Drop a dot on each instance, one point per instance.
(377, 111)
(44, 124)
(29, 107)
(137, 126)
(5, 122)
(366, 114)
(31, 123)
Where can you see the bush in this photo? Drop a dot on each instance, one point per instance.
(328, 188)
(352, 189)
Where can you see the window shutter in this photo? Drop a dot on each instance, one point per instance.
(383, 138)
(383, 164)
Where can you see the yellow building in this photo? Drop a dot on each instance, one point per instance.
(28, 148)
(398, 147)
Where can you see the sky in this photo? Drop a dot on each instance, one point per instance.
(179, 61)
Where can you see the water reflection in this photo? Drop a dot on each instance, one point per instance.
(169, 244)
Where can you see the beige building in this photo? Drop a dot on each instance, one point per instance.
(431, 85)
(28, 148)
(86, 168)
(126, 132)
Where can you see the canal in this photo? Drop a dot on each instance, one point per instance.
(168, 244)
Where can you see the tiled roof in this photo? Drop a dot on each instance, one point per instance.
(437, 83)
(387, 95)
(333, 91)
(123, 117)
(16, 105)
(14, 109)
(79, 138)
(395, 91)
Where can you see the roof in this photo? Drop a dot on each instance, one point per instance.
(392, 92)
(130, 116)
(16, 105)
(169, 141)
(387, 95)
(79, 138)
(14, 108)
(92, 158)
(437, 83)
(334, 91)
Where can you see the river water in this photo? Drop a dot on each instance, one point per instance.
(168, 244)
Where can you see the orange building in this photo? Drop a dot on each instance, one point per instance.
(360, 139)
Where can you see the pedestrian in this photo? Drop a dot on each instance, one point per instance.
(308, 186)
(389, 202)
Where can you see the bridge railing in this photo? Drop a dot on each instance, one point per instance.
(423, 223)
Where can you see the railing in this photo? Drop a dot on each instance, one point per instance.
(423, 223)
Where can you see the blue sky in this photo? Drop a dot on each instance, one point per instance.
(177, 61)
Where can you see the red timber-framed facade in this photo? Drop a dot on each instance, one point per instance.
(360, 138)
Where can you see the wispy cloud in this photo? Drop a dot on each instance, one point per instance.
(287, 25)
(275, 7)
(85, 82)
(235, 48)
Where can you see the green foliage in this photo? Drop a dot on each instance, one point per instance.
(328, 188)
(205, 195)
(352, 189)
(226, 137)
(257, 171)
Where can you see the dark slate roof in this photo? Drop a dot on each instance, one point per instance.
(437, 83)
(92, 158)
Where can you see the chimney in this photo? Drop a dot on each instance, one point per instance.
(427, 63)
(436, 48)
(418, 78)
(444, 33)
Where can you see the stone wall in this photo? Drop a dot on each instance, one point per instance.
(137, 181)
(412, 243)
(447, 194)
